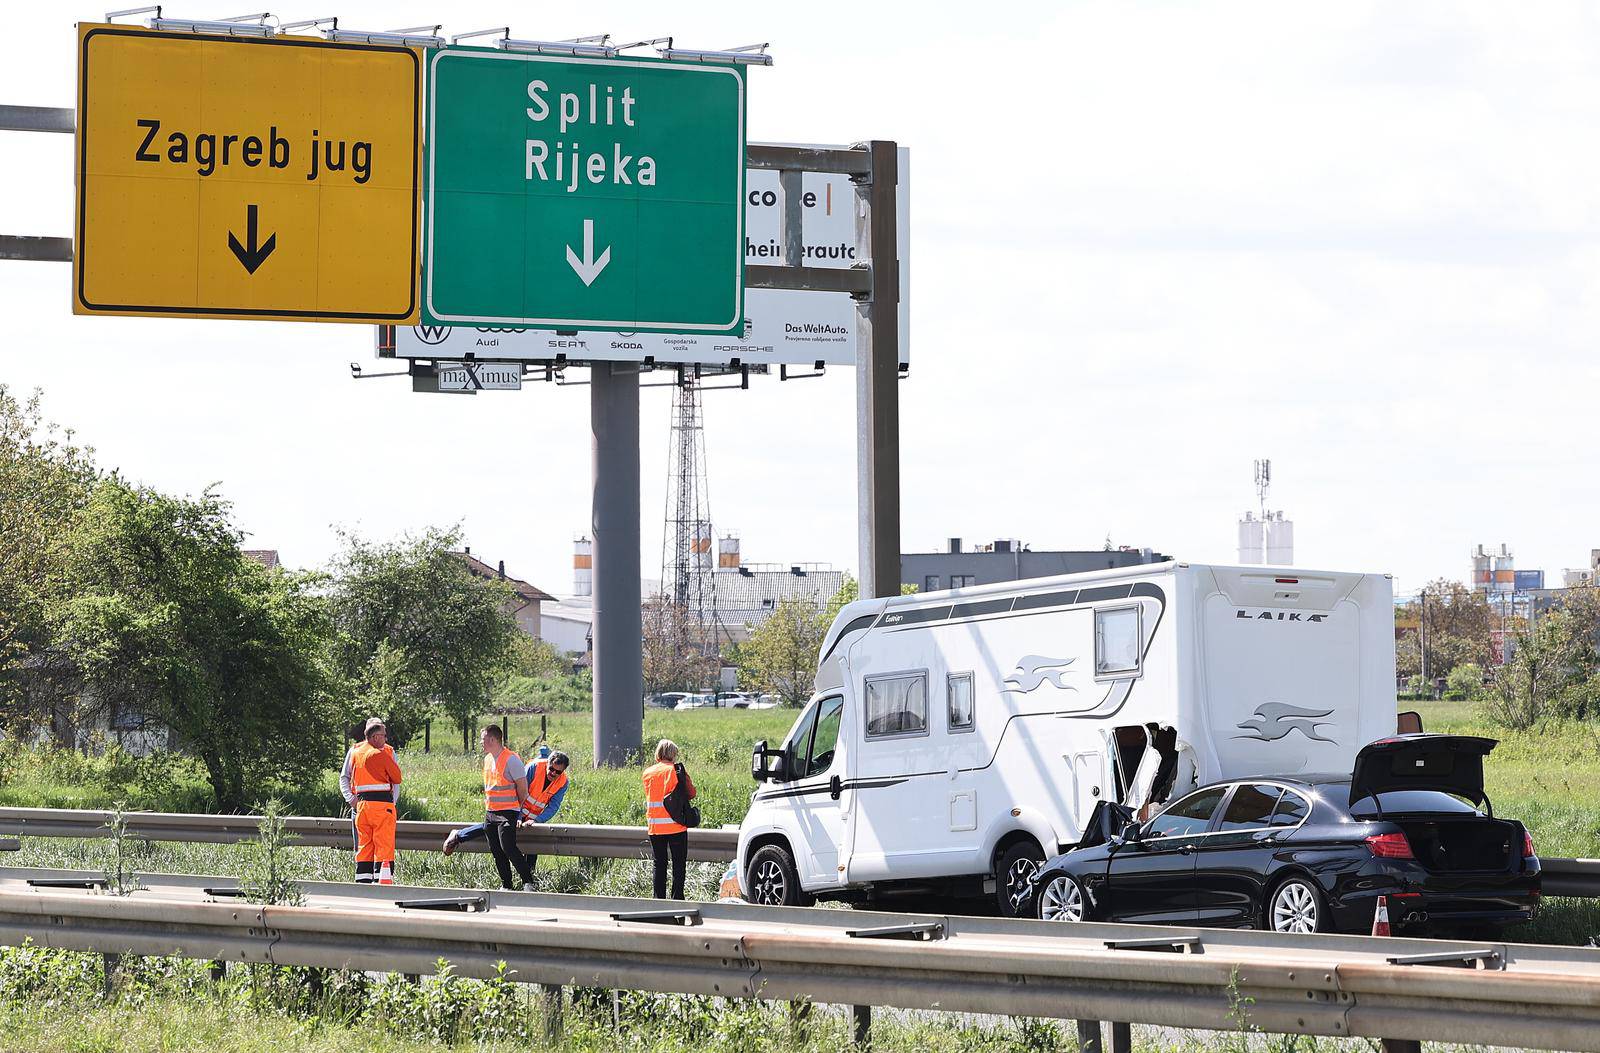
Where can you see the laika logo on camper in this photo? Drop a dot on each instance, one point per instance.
(1281, 616)
(1274, 720)
(1033, 670)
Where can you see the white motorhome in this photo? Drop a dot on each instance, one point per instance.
(956, 739)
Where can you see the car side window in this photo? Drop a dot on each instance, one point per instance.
(1189, 816)
(800, 746)
(826, 736)
(1292, 808)
(1250, 808)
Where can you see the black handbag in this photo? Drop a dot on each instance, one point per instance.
(677, 801)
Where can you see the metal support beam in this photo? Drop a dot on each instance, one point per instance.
(1121, 1037)
(42, 250)
(807, 159)
(789, 223)
(857, 281)
(35, 119)
(877, 377)
(618, 655)
(1089, 1036)
(551, 996)
(861, 1025)
(1401, 1045)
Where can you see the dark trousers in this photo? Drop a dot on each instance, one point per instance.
(678, 846)
(502, 831)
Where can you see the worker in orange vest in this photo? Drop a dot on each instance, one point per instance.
(668, 837)
(375, 782)
(505, 796)
(547, 787)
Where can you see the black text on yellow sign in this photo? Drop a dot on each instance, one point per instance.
(223, 177)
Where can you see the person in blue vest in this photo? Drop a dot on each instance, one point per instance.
(547, 787)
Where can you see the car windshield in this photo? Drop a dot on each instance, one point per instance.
(1400, 802)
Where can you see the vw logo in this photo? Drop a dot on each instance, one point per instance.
(432, 334)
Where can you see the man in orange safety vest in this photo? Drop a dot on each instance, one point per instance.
(375, 783)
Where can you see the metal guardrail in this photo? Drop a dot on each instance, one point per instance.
(551, 839)
(1534, 997)
(1561, 877)
(1570, 877)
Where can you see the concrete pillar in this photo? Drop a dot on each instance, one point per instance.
(618, 655)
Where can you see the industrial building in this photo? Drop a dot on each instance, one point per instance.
(743, 594)
(959, 567)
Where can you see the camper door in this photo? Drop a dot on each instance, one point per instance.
(817, 793)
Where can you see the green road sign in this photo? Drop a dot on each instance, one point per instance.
(568, 193)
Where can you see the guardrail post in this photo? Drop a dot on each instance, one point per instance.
(219, 970)
(108, 964)
(1402, 1045)
(551, 997)
(1122, 1037)
(861, 1025)
(1089, 1036)
(800, 1022)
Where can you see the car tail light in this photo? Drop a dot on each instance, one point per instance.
(1390, 846)
(1527, 845)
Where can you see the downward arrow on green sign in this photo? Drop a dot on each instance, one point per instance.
(567, 193)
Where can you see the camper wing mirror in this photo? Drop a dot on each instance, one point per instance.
(766, 765)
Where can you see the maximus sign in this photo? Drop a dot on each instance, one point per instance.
(572, 193)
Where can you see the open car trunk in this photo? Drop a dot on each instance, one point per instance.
(1451, 843)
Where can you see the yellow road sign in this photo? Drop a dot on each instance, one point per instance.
(228, 177)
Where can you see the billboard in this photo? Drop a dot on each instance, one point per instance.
(780, 326)
(1529, 580)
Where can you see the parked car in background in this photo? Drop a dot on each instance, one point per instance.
(666, 699)
(1312, 853)
(697, 702)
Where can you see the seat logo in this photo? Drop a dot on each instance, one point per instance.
(1033, 670)
(1275, 720)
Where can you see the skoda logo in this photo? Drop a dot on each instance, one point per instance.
(432, 334)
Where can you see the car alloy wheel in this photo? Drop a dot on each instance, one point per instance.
(1061, 899)
(1295, 908)
(1017, 879)
(770, 885)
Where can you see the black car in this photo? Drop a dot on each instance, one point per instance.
(1311, 853)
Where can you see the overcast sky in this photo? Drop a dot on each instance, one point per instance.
(1150, 242)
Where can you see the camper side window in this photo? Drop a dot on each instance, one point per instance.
(958, 686)
(1117, 638)
(897, 705)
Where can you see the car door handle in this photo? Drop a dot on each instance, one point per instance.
(835, 787)
(1186, 849)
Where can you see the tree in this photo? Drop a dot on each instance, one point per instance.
(1455, 625)
(410, 613)
(163, 612)
(45, 480)
(539, 659)
(673, 656)
(1553, 668)
(781, 654)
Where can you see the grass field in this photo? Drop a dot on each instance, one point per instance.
(1548, 777)
(445, 785)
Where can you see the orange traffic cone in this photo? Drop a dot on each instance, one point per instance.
(1380, 918)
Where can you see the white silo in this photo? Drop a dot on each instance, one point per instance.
(583, 567)
(1280, 540)
(702, 544)
(1252, 545)
(728, 552)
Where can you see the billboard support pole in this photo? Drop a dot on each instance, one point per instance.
(877, 378)
(618, 652)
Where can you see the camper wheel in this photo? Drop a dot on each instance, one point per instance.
(1017, 864)
(772, 880)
